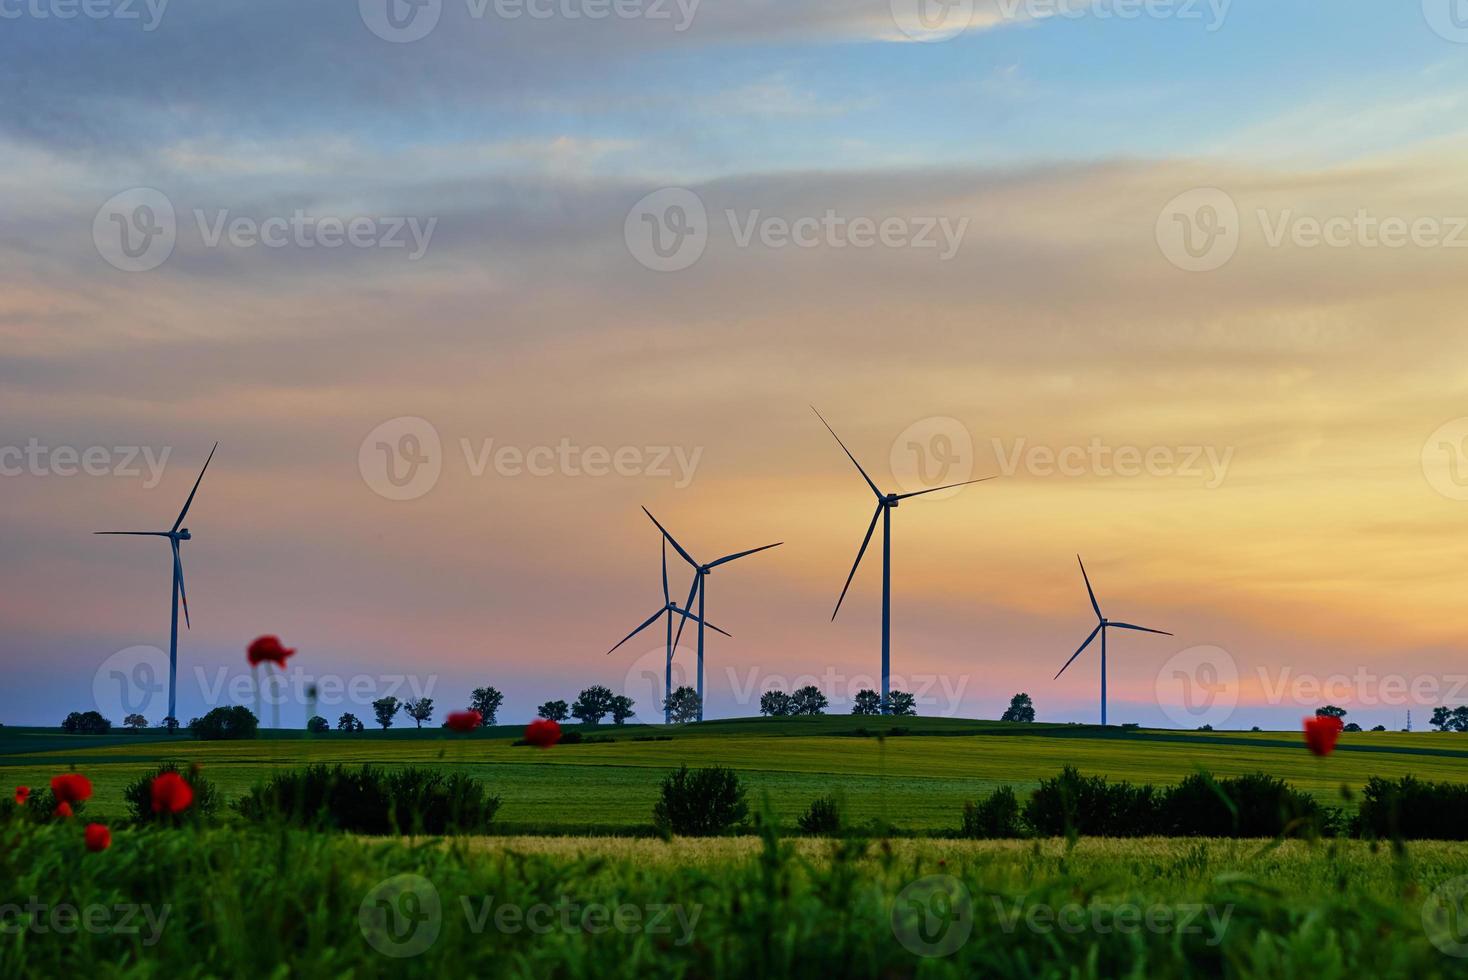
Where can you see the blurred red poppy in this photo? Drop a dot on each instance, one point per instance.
(542, 733)
(71, 787)
(1322, 732)
(268, 648)
(22, 793)
(63, 810)
(464, 721)
(98, 837)
(171, 794)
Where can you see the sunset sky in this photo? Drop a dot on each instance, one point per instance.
(1297, 411)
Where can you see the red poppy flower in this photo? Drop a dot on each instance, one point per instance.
(464, 721)
(98, 837)
(268, 648)
(22, 793)
(71, 787)
(542, 733)
(63, 810)
(171, 793)
(1321, 733)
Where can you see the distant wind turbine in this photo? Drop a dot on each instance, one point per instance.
(670, 609)
(885, 503)
(699, 589)
(1102, 625)
(176, 534)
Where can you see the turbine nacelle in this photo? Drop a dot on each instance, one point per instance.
(182, 534)
(891, 500)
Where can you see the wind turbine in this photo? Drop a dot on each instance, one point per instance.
(175, 535)
(700, 572)
(1102, 625)
(670, 608)
(885, 503)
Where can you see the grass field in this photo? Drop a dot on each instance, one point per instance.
(918, 781)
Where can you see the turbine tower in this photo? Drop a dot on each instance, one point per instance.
(885, 503)
(1102, 625)
(699, 589)
(670, 608)
(175, 535)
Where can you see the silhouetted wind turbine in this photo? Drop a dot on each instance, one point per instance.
(670, 608)
(700, 572)
(175, 534)
(1102, 624)
(885, 503)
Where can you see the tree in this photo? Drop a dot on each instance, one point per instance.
(593, 704)
(419, 709)
(349, 723)
(1442, 718)
(385, 708)
(1331, 711)
(776, 704)
(1352, 727)
(554, 711)
(318, 725)
(621, 708)
(225, 723)
(867, 703)
(808, 701)
(1021, 708)
(1460, 718)
(683, 705)
(901, 704)
(135, 721)
(1379, 728)
(86, 723)
(170, 723)
(486, 701)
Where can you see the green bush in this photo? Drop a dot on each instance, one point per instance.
(700, 803)
(1413, 809)
(1255, 805)
(994, 817)
(225, 723)
(139, 797)
(822, 818)
(1089, 805)
(372, 801)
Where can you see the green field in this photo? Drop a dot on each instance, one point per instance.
(916, 782)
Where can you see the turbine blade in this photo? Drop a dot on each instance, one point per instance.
(742, 554)
(146, 534)
(1139, 629)
(692, 594)
(1089, 591)
(666, 598)
(966, 483)
(1079, 652)
(182, 592)
(848, 453)
(678, 547)
(650, 620)
(187, 503)
(864, 542)
(688, 615)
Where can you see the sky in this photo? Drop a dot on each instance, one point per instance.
(459, 287)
